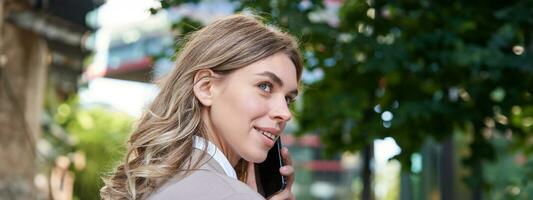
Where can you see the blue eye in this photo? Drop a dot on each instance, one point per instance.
(267, 87)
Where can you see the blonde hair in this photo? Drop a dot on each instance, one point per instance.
(161, 145)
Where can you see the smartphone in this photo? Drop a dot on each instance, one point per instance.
(267, 176)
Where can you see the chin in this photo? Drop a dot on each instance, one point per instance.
(257, 157)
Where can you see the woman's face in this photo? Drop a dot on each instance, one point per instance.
(250, 107)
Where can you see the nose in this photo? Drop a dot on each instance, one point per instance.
(281, 111)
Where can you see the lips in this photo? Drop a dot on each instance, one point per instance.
(269, 133)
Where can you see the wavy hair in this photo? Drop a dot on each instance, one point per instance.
(162, 142)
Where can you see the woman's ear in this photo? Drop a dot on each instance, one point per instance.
(203, 86)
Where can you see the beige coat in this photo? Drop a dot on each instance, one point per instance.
(207, 183)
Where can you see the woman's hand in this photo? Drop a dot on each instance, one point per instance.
(287, 170)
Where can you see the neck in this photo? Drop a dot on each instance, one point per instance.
(217, 139)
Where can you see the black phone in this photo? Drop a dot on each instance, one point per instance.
(267, 176)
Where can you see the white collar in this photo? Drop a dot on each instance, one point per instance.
(199, 143)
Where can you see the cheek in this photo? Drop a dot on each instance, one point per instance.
(254, 106)
(249, 105)
(239, 108)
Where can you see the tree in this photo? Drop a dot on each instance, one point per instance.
(22, 76)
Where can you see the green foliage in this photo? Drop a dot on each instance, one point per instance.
(515, 172)
(98, 133)
(101, 135)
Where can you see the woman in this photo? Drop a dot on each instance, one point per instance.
(221, 108)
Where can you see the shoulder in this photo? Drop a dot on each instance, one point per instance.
(204, 184)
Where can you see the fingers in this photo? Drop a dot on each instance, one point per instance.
(283, 195)
(286, 156)
(288, 172)
(288, 169)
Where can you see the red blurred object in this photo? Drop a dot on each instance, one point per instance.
(305, 141)
(324, 165)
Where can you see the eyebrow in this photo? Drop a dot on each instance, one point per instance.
(278, 81)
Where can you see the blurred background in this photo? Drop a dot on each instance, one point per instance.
(402, 99)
